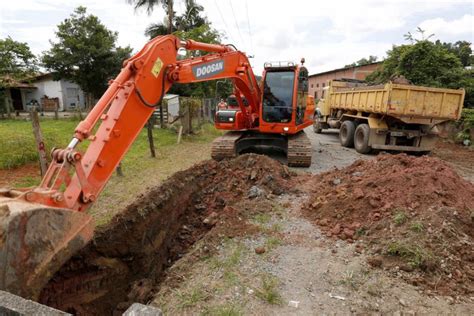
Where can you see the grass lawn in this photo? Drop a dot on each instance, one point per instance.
(17, 147)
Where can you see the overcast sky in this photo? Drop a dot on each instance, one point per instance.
(329, 34)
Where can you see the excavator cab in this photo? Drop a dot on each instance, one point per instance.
(285, 96)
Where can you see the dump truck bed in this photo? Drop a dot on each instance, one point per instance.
(407, 103)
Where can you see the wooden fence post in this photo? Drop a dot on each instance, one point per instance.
(119, 170)
(150, 124)
(39, 141)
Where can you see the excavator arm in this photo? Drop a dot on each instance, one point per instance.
(41, 228)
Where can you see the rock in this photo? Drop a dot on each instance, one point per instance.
(259, 250)
(255, 191)
(253, 174)
(336, 229)
(406, 268)
(450, 300)
(458, 274)
(140, 309)
(324, 222)
(336, 181)
(376, 216)
(375, 261)
(211, 220)
(402, 302)
(348, 232)
(294, 304)
(374, 203)
(358, 193)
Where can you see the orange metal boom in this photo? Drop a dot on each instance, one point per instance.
(124, 110)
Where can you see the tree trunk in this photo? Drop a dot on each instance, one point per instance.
(150, 136)
(39, 141)
(170, 16)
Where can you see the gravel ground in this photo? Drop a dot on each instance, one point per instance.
(328, 152)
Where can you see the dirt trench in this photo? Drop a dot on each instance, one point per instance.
(126, 260)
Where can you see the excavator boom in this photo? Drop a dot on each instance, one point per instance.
(41, 228)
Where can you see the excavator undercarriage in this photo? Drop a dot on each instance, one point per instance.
(297, 148)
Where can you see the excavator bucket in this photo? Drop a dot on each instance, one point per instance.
(35, 241)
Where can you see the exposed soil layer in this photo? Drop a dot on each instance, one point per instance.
(126, 259)
(415, 215)
(458, 156)
(9, 177)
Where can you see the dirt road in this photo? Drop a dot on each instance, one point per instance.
(328, 152)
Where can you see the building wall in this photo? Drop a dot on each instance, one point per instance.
(57, 89)
(318, 81)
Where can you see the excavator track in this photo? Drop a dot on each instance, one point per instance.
(223, 147)
(299, 150)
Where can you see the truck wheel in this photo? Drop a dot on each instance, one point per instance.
(317, 127)
(346, 134)
(361, 139)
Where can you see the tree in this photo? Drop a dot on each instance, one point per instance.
(462, 49)
(85, 53)
(151, 4)
(423, 63)
(427, 64)
(16, 59)
(363, 61)
(17, 62)
(190, 19)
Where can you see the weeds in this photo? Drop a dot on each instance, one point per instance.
(400, 218)
(268, 292)
(262, 218)
(189, 299)
(272, 243)
(417, 227)
(416, 256)
(223, 310)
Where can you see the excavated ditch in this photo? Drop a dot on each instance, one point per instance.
(125, 261)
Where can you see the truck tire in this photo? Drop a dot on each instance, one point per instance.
(361, 139)
(317, 128)
(346, 134)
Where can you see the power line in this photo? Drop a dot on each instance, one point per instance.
(225, 24)
(237, 24)
(248, 22)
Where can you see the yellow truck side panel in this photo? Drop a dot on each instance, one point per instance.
(405, 102)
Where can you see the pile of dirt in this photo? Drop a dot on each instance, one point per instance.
(126, 259)
(414, 214)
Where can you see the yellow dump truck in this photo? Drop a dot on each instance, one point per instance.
(399, 117)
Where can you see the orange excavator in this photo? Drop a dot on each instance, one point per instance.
(42, 227)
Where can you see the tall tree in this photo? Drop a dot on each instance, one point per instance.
(151, 4)
(17, 62)
(363, 61)
(86, 53)
(16, 59)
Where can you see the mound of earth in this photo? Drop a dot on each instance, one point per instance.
(414, 214)
(125, 261)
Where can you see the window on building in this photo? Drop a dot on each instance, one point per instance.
(315, 95)
(311, 85)
(324, 84)
(317, 85)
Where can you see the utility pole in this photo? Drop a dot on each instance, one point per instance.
(39, 141)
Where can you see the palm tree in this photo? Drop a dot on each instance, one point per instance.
(150, 5)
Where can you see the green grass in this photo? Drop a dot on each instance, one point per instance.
(268, 291)
(223, 310)
(191, 298)
(414, 255)
(417, 227)
(400, 218)
(17, 144)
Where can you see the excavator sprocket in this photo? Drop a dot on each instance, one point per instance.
(223, 147)
(299, 150)
(35, 241)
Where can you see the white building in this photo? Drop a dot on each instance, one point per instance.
(69, 94)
